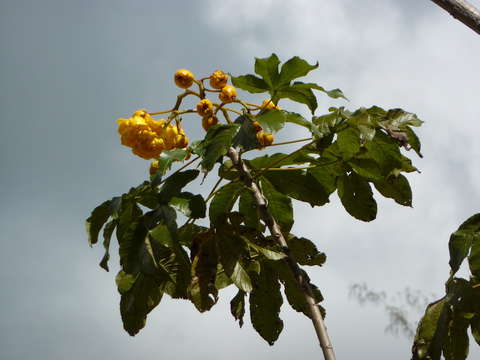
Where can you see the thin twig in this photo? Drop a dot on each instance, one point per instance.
(276, 232)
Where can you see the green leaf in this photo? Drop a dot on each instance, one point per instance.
(348, 141)
(246, 136)
(188, 232)
(230, 249)
(175, 183)
(461, 241)
(168, 157)
(265, 303)
(124, 281)
(171, 259)
(107, 235)
(190, 205)
(385, 152)
(294, 293)
(280, 159)
(294, 68)
(326, 174)
(334, 94)
(357, 197)
(222, 280)
(130, 235)
(298, 119)
(98, 217)
(237, 307)
(475, 328)
(305, 251)
(267, 68)
(270, 252)
(299, 94)
(271, 121)
(249, 209)
(398, 119)
(298, 185)
(203, 293)
(456, 342)
(396, 188)
(279, 205)
(250, 83)
(431, 331)
(413, 140)
(474, 257)
(143, 296)
(227, 171)
(218, 140)
(223, 201)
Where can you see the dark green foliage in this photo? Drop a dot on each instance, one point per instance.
(265, 303)
(347, 152)
(443, 330)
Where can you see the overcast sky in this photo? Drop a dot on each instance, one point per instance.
(69, 69)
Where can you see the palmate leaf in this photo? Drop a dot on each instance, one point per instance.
(299, 185)
(298, 93)
(267, 68)
(231, 250)
(265, 302)
(294, 293)
(305, 251)
(279, 205)
(246, 136)
(293, 69)
(357, 197)
(141, 298)
(456, 343)
(431, 331)
(107, 235)
(167, 158)
(189, 205)
(218, 140)
(348, 141)
(171, 259)
(237, 307)
(250, 83)
(96, 220)
(271, 121)
(202, 290)
(461, 241)
(175, 183)
(249, 209)
(396, 188)
(223, 201)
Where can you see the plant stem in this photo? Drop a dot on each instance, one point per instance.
(462, 11)
(276, 232)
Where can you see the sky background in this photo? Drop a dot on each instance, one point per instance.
(69, 69)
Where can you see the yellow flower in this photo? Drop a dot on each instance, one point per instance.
(228, 94)
(183, 78)
(149, 137)
(218, 79)
(154, 167)
(205, 107)
(268, 104)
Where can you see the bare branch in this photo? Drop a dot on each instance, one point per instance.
(463, 11)
(298, 274)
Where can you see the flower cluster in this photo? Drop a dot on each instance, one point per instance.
(149, 137)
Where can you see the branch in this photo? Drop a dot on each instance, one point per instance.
(298, 274)
(463, 11)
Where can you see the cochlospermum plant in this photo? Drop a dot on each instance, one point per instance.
(246, 241)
